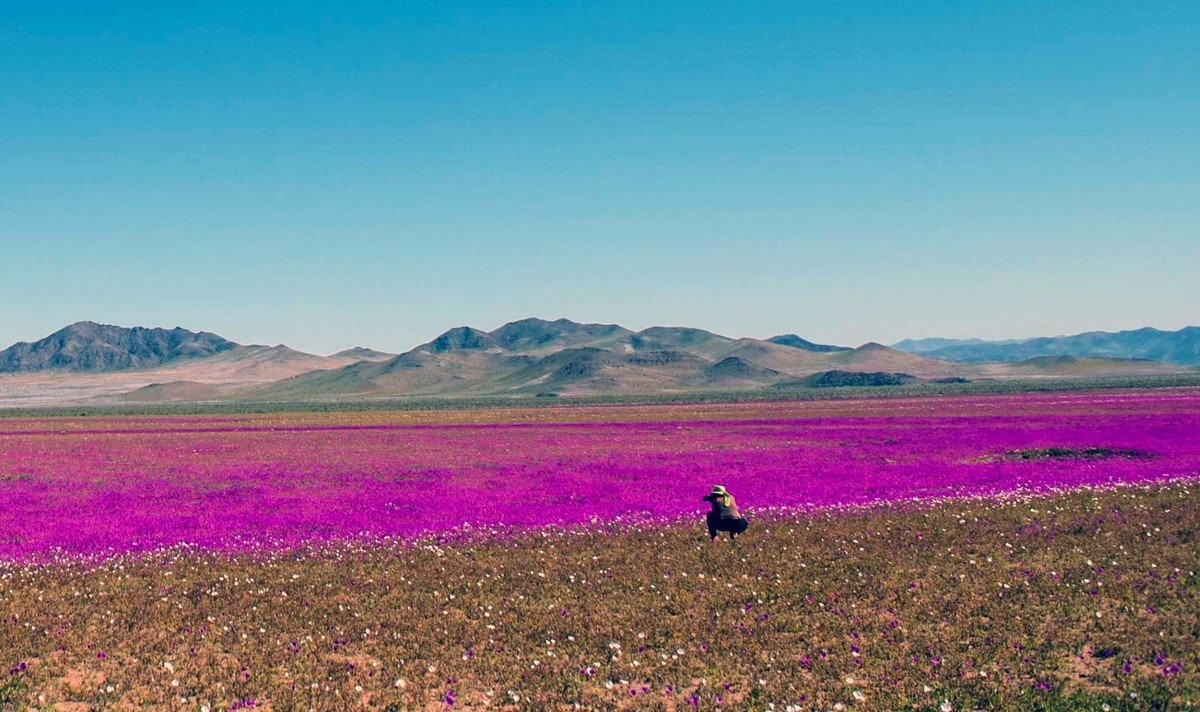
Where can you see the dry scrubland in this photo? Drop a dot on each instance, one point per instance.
(1069, 601)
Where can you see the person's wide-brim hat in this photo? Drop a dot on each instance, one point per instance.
(719, 490)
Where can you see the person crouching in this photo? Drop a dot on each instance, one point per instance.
(724, 516)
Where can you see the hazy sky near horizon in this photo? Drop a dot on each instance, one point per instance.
(327, 176)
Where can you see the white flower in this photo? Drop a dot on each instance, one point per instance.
(946, 706)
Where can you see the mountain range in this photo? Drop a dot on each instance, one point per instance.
(1178, 347)
(90, 347)
(95, 363)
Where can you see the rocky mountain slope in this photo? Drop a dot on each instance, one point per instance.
(88, 347)
(538, 357)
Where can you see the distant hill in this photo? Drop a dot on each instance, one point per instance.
(1081, 367)
(924, 346)
(582, 370)
(534, 334)
(539, 336)
(173, 392)
(1180, 347)
(358, 353)
(88, 362)
(872, 357)
(799, 343)
(461, 338)
(847, 379)
(736, 373)
(681, 338)
(90, 347)
(255, 364)
(594, 370)
(736, 367)
(530, 335)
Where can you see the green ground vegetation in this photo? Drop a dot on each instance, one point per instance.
(553, 400)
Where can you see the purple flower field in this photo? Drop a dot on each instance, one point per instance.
(96, 487)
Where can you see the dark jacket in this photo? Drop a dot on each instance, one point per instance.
(723, 506)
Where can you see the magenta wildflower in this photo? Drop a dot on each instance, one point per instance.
(223, 464)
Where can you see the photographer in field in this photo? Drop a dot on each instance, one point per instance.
(724, 516)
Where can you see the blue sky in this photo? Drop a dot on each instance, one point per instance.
(326, 176)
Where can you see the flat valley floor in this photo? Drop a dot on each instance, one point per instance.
(1001, 552)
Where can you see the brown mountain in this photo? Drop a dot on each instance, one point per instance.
(175, 391)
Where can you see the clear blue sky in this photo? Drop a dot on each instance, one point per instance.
(327, 176)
